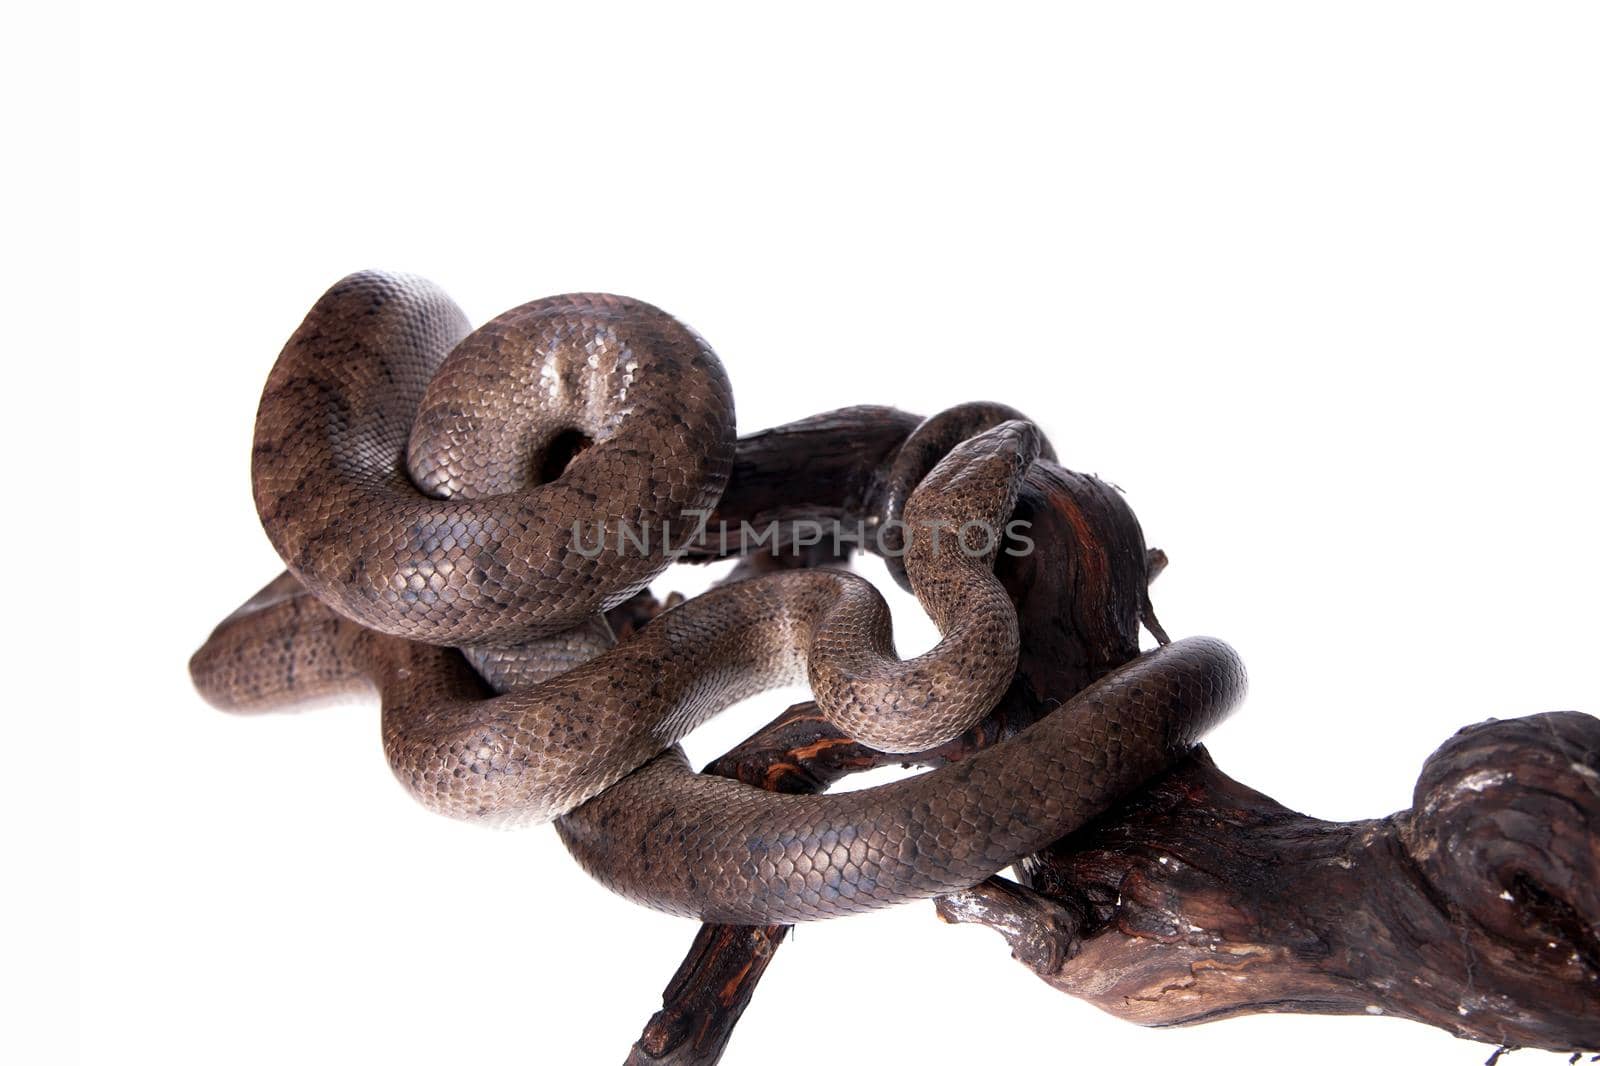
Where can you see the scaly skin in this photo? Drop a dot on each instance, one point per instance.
(722, 851)
(540, 749)
(383, 365)
(426, 483)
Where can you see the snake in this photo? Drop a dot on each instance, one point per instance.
(427, 486)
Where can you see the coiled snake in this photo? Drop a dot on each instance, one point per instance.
(458, 508)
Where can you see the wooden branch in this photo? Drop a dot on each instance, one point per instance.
(824, 470)
(1474, 911)
(1198, 899)
(708, 995)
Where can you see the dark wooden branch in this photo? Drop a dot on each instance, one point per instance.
(1474, 911)
(708, 994)
(1199, 898)
(824, 470)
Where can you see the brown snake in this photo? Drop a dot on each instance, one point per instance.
(432, 484)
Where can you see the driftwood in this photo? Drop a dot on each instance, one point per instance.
(1199, 898)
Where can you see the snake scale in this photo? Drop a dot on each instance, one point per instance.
(431, 488)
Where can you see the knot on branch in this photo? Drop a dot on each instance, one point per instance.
(1504, 831)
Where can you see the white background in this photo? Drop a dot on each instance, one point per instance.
(1314, 283)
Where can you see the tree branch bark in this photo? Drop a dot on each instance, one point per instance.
(1476, 911)
(1473, 911)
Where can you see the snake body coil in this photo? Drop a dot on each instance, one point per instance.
(429, 488)
(382, 403)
